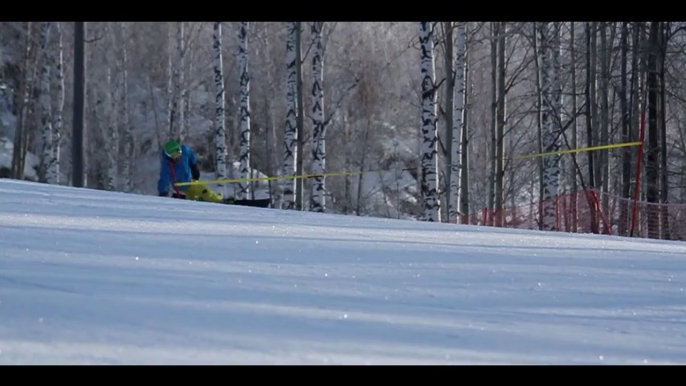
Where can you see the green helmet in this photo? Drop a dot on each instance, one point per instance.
(172, 149)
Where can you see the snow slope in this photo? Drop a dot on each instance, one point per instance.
(104, 277)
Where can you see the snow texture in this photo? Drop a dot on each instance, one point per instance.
(95, 277)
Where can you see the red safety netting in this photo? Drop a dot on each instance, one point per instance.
(590, 211)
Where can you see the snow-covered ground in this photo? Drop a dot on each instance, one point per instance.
(90, 276)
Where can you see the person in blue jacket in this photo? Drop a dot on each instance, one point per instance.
(179, 164)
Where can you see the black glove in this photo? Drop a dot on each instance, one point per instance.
(179, 195)
(195, 171)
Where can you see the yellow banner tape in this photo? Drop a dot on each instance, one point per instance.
(601, 147)
(232, 180)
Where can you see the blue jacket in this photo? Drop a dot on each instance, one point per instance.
(184, 170)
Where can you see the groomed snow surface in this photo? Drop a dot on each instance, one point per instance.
(93, 277)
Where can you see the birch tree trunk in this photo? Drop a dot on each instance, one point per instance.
(54, 167)
(347, 135)
(626, 152)
(187, 103)
(556, 94)
(574, 144)
(219, 102)
(500, 126)
(129, 140)
(362, 161)
(317, 197)
(454, 202)
(271, 139)
(429, 176)
(556, 83)
(589, 94)
(172, 74)
(300, 126)
(550, 138)
(244, 157)
(110, 136)
(289, 141)
(449, 44)
(495, 26)
(539, 124)
(604, 163)
(653, 149)
(595, 126)
(46, 121)
(664, 186)
(464, 145)
(637, 87)
(180, 81)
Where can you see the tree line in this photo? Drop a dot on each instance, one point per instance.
(429, 116)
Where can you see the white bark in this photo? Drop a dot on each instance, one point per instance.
(45, 105)
(271, 134)
(244, 157)
(458, 123)
(111, 135)
(550, 137)
(317, 198)
(172, 74)
(219, 122)
(129, 142)
(180, 84)
(290, 140)
(53, 176)
(429, 154)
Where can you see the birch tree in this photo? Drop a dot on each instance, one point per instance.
(603, 91)
(465, 152)
(653, 148)
(300, 117)
(494, 110)
(45, 105)
(624, 109)
(127, 134)
(172, 73)
(219, 120)
(180, 81)
(458, 123)
(176, 85)
(589, 96)
(109, 119)
(290, 140)
(53, 176)
(111, 136)
(574, 143)
(550, 139)
(664, 166)
(244, 157)
(317, 197)
(449, 70)
(556, 94)
(500, 124)
(429, 181)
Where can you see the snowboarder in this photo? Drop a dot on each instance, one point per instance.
(179, 164)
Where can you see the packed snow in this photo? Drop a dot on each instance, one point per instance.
(95, 277)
